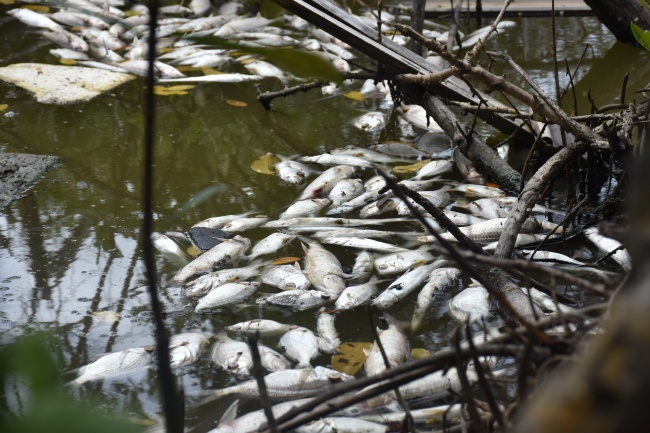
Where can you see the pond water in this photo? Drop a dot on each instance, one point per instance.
(71, 248)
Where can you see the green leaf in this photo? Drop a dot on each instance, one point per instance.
(645, 5)
(297, 62)
(641, 36)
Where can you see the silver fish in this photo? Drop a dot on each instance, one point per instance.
(242, 25)
(438, 198)
(403, 286)
(305, 207)
(214, 78)
(186, 348)
(253, 421)
(34, 19)
(271, 244)
(417, 116)
(470, 304)
(402, 150)
(545, 302)
(400, 262)
(323, 184)
(218, 256)
(200, 7)
(328, 338)
(434, 168)
(383, 205)
(243, 224)
(116, 364)
(439, 279)
(342, 425)
(329, 159)
(67, 40)
(167, 246)
(228, 294)
(362, 244)
(272, 360)
(263, 326)
(330, 221)
(345, 190)
(370, 122)
(353, 296)
(323, 270)
(231, 355)
(550, 256)
(607, 245)
(483, 191)
(220, 221)
(161, 70)
(486, 231)
(395, 346)
(357, 202)
(367, 154)
(293, 171)
(205, 283)
(66, 53)
(286, 277)
(362, 268)
(300, 345)
(297, 299)
(265, 69)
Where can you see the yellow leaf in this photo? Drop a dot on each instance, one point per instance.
(3, 107)
(168, 91)
(285, 260)
(350, 357)
(184, 68)
(265, 164)
(131, 13)
(410, 168)
(419, 353)
(38, 8)
(193, 252)
(236, 103)
(68, 62)
(357, 96)
(180, 87)
(166, 50)
(210, 71)
(7, 2)
(247, 60)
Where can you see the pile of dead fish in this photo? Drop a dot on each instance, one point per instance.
(113, 35)
(344, 208)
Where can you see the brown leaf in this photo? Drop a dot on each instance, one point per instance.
(235, 103)
(265, 164)
(350, 357)
(285, 260)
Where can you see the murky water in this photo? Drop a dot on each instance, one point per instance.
(71, 248)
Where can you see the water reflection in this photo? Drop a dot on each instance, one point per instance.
(71, 248)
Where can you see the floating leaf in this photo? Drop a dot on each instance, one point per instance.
(357, 96)
(105, 316)
(235, 103)
(68, 62)
(402, 169)
(350, 357)
(172, 90)
(641, 36)
(3, 107)
(186, 68)
(38, 8)
(265, 164)
(285, 260)
(7, 2)
(193, 251)
(419, 353)
(210, 71)
(492, 184)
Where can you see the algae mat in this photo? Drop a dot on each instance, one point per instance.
(58, 84)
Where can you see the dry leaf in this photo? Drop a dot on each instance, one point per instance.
(105, 316)
(236, 103)
(265, 164)
(173, 90)
(419, 353)
(402, 169)
(185, 68)
(193, 252)
(210, 71)
(68, 62)
(350, 357)
(7, 2)
(247, 60)
(37, 8)
(492, 184)
(3, 107)
(357, 96)
(285, 260)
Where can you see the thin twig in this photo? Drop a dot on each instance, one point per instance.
(258, 373)
(471, 55)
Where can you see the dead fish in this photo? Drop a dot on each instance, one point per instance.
(402, 150)
(417, 116)
(486, 231)
(292, 171)
(286, 277)
(467, 168)
(214, 78)
(338, 159)
(297, 299)
(438, 198)
(323, 270)
(370, 122)
(228, 294)
(340, 424)
(479, 191)
(231, 355)
(328, 338)
(265, 69)
(306, 207)
(395, 346)
(403, 286)
(300, 345)
(362, 268)
(272, 360)
(323, 184)
(243, 224)
(226, 252)
(67, 40)
(607, 245)
(167, 246)
(367, 154)
(200, 7)
(354, 296)
(263, 326)
(116, 364)
(205, 283)
(271, 244)
(161, 70)
(186, 348)
(68, 54)
(242, 25)
(252, 421)
(439, 279)
(400, 262)
(470, 304)
(434, 168)
(345, 190)
(362, 244)
(220, 221)
(34, 19)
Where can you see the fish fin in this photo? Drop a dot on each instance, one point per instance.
(230, 414)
